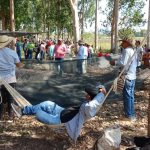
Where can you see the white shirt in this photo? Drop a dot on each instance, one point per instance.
(82, 52)
(8, 60)
(87, 111)
(130, 70)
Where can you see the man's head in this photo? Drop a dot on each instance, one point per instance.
(126, 43)
(93, 91)
(5, 40)
(137, 43)
(80, 42)
(59, 41)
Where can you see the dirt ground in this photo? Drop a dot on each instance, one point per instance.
(28, 134)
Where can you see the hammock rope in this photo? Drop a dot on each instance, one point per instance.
(19, 99)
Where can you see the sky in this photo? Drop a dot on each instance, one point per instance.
(102, 17)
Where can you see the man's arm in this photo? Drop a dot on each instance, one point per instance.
(18, 64)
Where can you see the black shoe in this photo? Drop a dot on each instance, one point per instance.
(17, 110)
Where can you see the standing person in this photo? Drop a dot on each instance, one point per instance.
(42, 50)
(130, 76)
(74, 117)
(82, 55)
(140, 51)
(30, 47)
(18, 48)
(25, 48)
(51, 50)
(59, 54)
(8, 62)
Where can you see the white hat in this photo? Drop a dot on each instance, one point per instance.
(5, 40)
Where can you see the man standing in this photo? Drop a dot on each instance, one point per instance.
(18, 48)
(30, 47)
(9, 61)
(140, 51)
(128, 59)
(82, 55)
(59, 54)
(130, 76)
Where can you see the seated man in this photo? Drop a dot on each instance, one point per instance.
(49, 112)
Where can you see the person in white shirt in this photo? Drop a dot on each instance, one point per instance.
(140, 52)
(8, 62)
(82, 55)
(74, 117)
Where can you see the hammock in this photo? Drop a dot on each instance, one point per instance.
(19, 99)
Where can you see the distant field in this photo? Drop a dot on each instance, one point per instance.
(104, 42)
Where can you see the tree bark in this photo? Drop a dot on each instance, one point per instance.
(12, 18)
(74, 9)
(148, 28)
(116, 25)
(112, 30)
(82, 20)
(96, 25)
(149, 115)
(12, 21)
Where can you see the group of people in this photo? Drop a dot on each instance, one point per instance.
(74, 117)
(56, 50)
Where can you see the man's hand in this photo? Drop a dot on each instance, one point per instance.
(112, 62)
(103, 90)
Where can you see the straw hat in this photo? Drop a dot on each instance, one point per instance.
(129, 41)
(81, 42)
(5, 40)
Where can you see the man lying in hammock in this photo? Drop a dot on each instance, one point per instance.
(50, 113)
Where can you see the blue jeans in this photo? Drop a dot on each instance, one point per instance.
(6, 98)
(128, 97)
(81, 66)
(46, 112)
(19, 54)
(59, 65)
(29, 54)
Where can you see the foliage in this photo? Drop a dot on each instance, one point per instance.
(126, 33)
(129, 14)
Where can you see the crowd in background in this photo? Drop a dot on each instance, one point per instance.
(30, 48)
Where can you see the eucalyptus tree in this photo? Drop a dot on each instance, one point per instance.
(130, 16)
(4, 14)
(74, 9)
(148, 41)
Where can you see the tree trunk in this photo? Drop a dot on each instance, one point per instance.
(148, 28)
(82, 20)
(12, 21)
(149, 115)
(74, 9)
(96, 25)
(112, 30)
(116, 25)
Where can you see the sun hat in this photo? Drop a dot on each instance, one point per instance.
(60, 39)
(5, 40)
(126, 40)
(80, 42)
(94, 90)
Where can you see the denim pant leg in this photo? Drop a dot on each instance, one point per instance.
(80, 66)
(48, 118)
(33, 109)
(128, 97)
(6, 98)
(46, 112)
(59, 64)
